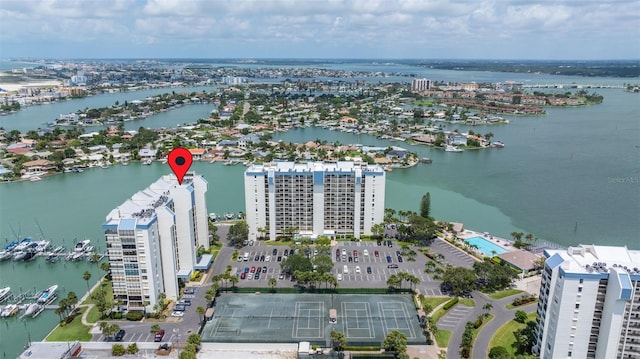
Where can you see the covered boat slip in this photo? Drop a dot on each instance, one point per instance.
(288, 318)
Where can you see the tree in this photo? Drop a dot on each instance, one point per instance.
(395, 341)
(297, 262)
(377, 230)
(338, 340)
(323, 263)
(520, 316)
(525, 337)
(487, 308)
(118, 350)
(459, 279)
(201, 311)
(132, 348)
(394, 281)
(272, 283)
(238, 233)
(425, 205)
(154, 328)
(499, 352)
(194, 338)
(86, 276)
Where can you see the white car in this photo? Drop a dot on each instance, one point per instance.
(177, 314)
(339, 276)
(345, 270)
(365, 252)
(358, 269)
(267, 258)
(239, 258)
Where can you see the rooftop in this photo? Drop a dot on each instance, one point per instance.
(589, 258)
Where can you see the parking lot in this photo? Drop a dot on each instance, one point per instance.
(369, 270)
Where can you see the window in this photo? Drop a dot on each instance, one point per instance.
(577, 305)
(579, 289)
(581, 280)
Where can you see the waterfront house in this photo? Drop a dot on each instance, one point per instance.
(38, 166)
(457, 140)
(147, 153)
(197, 153)
(248, 139)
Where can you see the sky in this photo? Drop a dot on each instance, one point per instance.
(394, 29)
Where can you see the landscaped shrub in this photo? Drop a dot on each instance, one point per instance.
(118, 350)
(478, 322)
(116, 315)
(451, 303)
(134, 316)
(523, 299)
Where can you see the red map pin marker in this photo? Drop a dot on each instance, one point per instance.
(180, 160)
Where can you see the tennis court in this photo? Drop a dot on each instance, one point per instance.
(362, 318)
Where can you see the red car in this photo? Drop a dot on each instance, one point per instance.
(355, 253)
(159, 335)
(253, 270)
(243, 275)
(377, 254)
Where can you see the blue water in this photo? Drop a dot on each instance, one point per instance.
(488, 248)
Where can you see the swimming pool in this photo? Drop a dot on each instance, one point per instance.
(488, 248)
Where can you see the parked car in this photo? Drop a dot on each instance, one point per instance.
(377, 253)
(388, 259)
(337, 252)
(264, 269)
(246, 269)
(400, 259)
(159, 335)
(358, 269)
(368, 270)
(267, 258)
(119, 335)
(345, 270)
(355, 259)
(281, 276)
(180, 308)
(274, 252)
(256, 276)
(243, 275)
(258, 270)
(177, 314)
(286, 252)
(253, 270)
(189, 290)
(355, 253)
(365, 253)
(257, 258)
(279, 258)
(262, 258)
(339, 276)
(392, 266)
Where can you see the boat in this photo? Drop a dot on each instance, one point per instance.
(497, 144)
(104, 165)
(48, 295)
(125, 163)
(213, 217)
(450, 148)
(76, 169)
(4, 293)
(147, 161)
(229, 215)
(35, 179)
(89, 249)
(32, 309)
(82, 246)
(59, 249)
(23, 244)
(30, 255)
(426, 160)
(11, 245)
(52, 258)
(19, 255)
(4, 255)
(75, 256)
(9, 310)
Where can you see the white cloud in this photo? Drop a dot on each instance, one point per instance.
(346, 25)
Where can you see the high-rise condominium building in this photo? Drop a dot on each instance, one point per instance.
(418, 85)
(152, 239)
(589, 304)
(313, 198)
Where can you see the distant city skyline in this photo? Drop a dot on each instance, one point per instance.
(384, 29)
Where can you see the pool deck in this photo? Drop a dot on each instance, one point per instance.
(500, 242)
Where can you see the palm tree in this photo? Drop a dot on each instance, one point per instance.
(234, 280)
(104, 266)
(72, 299)
(272, 283)
(201, 311)
(487, 308)
(86, 276)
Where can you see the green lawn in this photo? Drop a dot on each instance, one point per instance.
(484, 322)
(504, 335)
(469, 302)
(71, 332)
(504, 293)
(433, 301)
(442, 338)
(94, 314)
